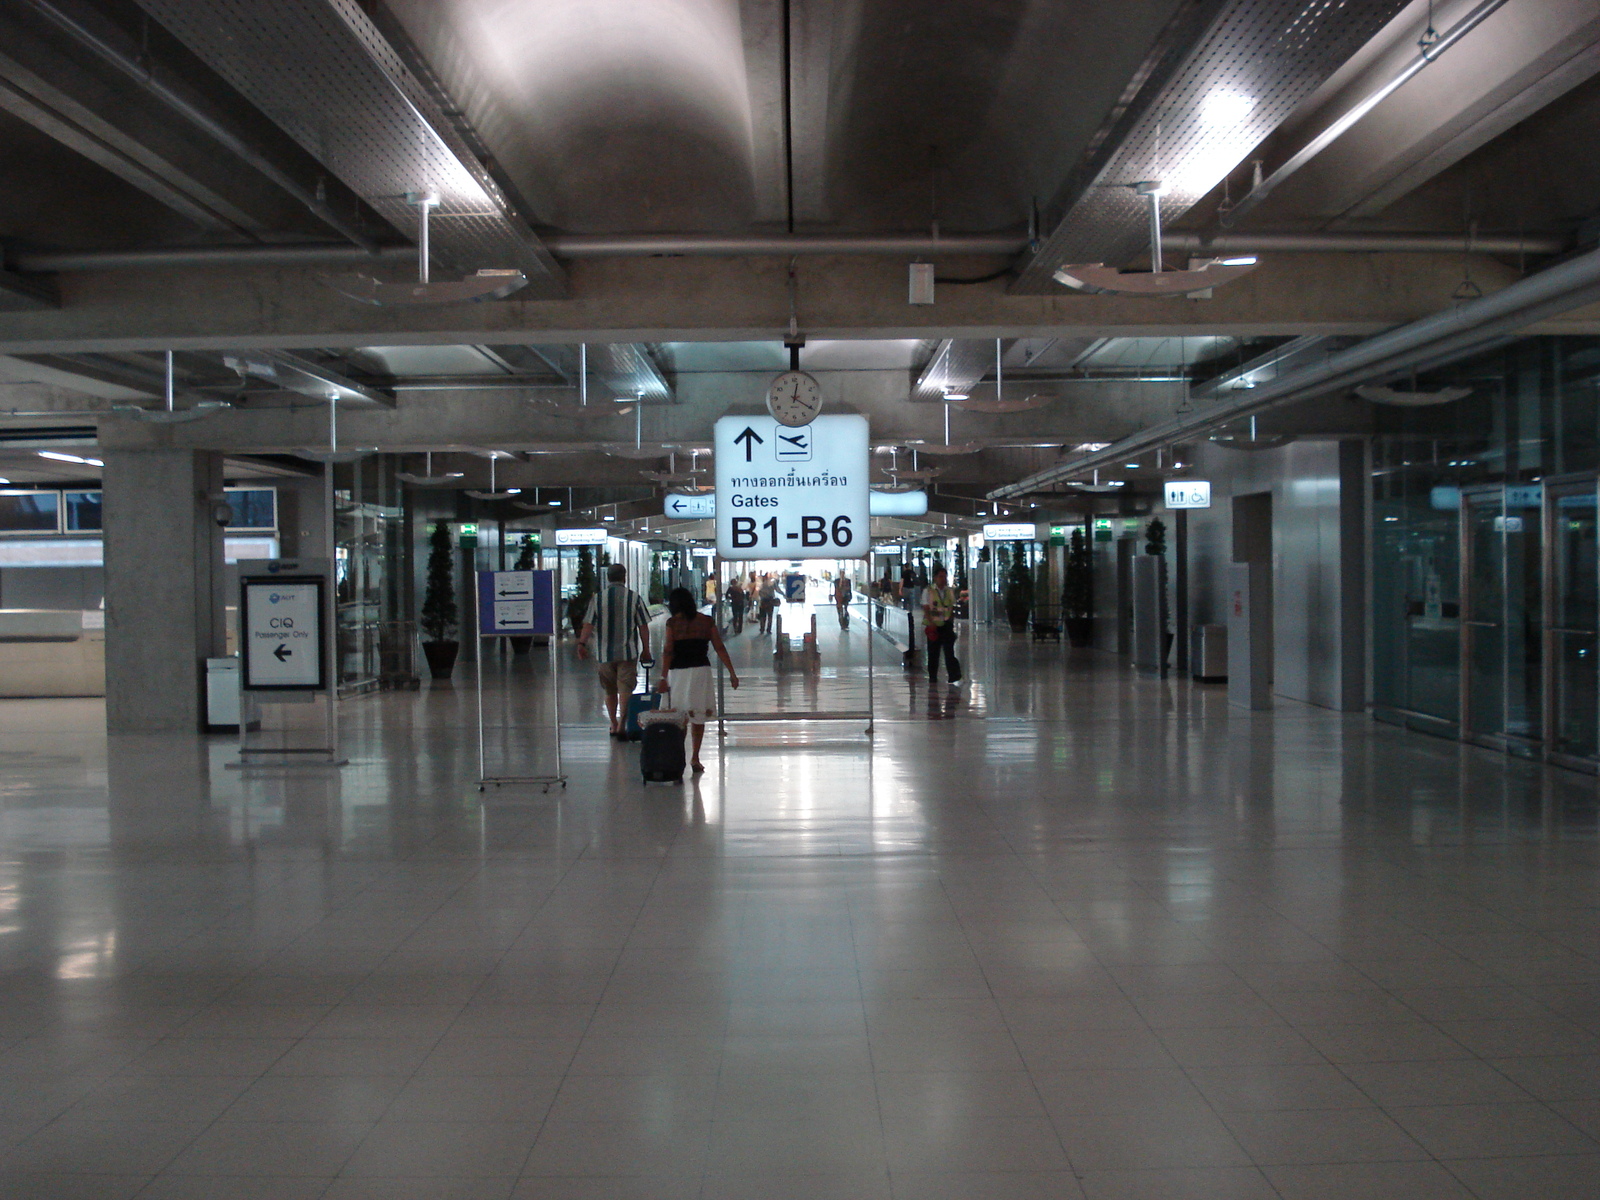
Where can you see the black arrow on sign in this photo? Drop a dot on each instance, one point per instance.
(282, 652)
(677, 506)
(751, 439)
(515, 592)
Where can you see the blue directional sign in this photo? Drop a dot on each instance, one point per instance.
(516, 603)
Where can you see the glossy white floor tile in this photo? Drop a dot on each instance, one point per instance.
(1064, 933)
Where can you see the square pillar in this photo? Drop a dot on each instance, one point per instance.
(164, 587)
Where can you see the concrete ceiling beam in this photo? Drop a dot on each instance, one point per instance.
(660, 300)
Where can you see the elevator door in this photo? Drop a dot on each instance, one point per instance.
(1502, 618)
(1572, 641)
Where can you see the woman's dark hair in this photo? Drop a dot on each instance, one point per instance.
(680, 603)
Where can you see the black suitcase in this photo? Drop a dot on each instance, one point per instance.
(661, 754)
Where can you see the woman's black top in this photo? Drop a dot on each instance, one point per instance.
(689, 652)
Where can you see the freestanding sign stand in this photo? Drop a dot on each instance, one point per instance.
(518, 604)
(285, 636)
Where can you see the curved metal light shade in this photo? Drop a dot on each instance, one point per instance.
(335, 456)
(1001, 405)
(941, 448)
(1386, 395)
(1269, 441)
(485, 285)
(157, 416)
(638, 453)
(585, 412)
(1097, 277)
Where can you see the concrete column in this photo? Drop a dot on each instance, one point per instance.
(164, 587)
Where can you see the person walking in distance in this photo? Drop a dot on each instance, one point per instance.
(620, 624)
(843, 593)
(768, 602)
(737, 600)
(686, 667)
(938, 620)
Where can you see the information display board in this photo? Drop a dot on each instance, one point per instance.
(280, 625)
(702, 505)
(516, 603)
(792, 492)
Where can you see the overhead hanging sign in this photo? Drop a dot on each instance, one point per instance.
(683, 507)
(1010, 532)
(879, 504)
(581, 537)
(516, 602)
(1188, 493)
(786, 492)
(280, 621)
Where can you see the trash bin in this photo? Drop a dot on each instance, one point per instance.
(1208, 653)
(222, 695)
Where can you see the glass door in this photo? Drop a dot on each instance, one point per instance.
(1502, 594)
(1572, 640)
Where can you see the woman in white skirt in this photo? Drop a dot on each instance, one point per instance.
(686, 666)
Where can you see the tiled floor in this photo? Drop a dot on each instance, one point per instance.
(1069, 934)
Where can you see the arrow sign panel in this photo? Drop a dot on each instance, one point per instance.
(516, 603)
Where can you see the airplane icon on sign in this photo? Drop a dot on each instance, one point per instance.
(794, 447)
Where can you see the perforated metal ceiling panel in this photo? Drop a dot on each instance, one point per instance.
(1258, 60)
(322, 71)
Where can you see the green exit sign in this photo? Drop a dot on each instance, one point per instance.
(467, 534)
(1058, 535)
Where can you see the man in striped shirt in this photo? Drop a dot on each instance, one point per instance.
(618, 615)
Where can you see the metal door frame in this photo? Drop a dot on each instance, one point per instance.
(1547, 650)
(1506, 743)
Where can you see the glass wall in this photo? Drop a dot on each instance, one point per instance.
(374, 638)
(1483, 550)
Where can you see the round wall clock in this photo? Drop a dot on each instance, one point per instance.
(794, 398)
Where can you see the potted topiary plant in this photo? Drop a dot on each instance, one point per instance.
(525, 560)
(658, 583)
(1019, 591)
(1077, 590)
(439, 619)
(585, 586)
(1155, 542)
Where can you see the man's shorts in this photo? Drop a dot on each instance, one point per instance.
(621, 676)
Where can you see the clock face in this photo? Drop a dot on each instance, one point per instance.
(794, 398)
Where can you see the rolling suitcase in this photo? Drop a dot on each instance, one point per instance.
(661, 754)
(638, 704)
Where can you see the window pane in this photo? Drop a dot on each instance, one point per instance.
(83, 511)
(30, 512)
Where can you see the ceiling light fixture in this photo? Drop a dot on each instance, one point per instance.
(170, 415)
(492, 494)
(1157, 281)
(427, 475)
(488, 284)
(69, 458)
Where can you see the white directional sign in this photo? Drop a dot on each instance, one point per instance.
(1189, 493)
(689, 508)
(581, 537)
(281, 623)
(786, 492)
(879, 504)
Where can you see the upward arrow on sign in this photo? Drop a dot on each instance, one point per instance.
(751, 439)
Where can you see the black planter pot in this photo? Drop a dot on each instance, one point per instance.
(1018, 617)
(441, 658)
(1079, 630)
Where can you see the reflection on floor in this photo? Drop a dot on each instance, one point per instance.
(1098, 938)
